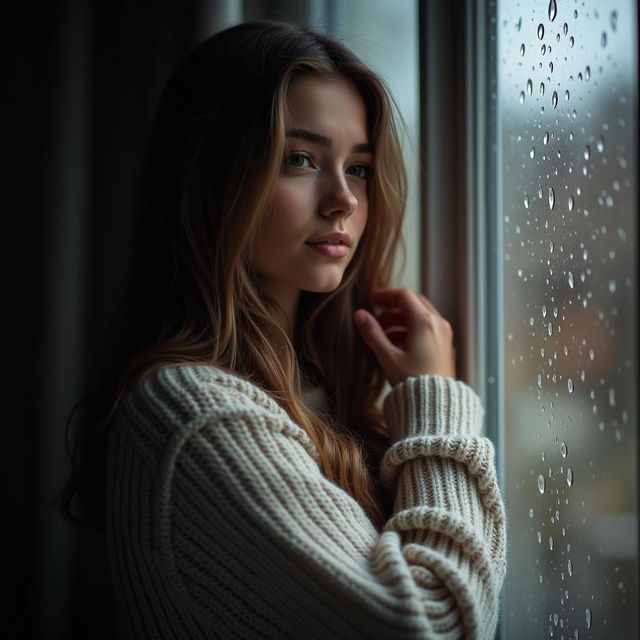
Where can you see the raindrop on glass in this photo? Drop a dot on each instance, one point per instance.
(550, 68)
(569, 567)
(542, 88)
(587, 615)
(571, 41)
(612, 397)
(569, 476)
(600, 144)
(592, 354)
(587, 73)
(552, 198)
(570, 279)
(571, 203)
(565, 28)
(529, 86)
(603, 39)
(545, 137)
(554, 99)
(551, 246)
(541, 483)
(522, 49)
(522, 97)
(526, 201)
(531, 513)
(544, 311)
(532, 153)
(567, 95)
(551, 542)
(570, 385)
(564, 450)
(612, 286)
(587, 152)
(553, 10)
(614, 20)
(540, 31)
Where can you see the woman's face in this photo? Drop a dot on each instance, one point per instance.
(321, 190)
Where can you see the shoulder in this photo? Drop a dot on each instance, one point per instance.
(173, 400)
(187, 391)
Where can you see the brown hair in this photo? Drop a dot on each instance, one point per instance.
(214, 154)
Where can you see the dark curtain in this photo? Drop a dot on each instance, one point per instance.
(78, 84)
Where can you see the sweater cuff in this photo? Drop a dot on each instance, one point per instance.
(432, 405)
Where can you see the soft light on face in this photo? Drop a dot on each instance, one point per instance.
(321, 189)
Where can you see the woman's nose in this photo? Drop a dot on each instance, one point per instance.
(338, 198)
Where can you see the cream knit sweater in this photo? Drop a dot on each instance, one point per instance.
(220, 523)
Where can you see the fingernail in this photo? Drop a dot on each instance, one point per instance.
(360, 318)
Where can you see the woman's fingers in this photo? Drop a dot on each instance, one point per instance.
(407, 335)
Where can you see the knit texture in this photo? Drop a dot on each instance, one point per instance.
(220, 523)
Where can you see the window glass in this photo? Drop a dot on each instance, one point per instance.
(567, 100)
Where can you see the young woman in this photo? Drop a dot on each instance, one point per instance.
(248, 481)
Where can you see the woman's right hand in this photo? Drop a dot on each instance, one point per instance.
(409, 337)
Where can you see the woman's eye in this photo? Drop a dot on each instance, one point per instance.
(360, 171)
(297, 161)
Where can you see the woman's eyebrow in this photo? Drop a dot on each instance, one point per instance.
(363, 147)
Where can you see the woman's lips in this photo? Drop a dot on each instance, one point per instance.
(333, 250)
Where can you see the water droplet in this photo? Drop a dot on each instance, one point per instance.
(542, 88)
(539, 536)
(550, 328)
(529, 86)
(552, 198)
(550, 246)
(600, 144)
(532, 153)
(587, 614)
(603, 39)
(612, 286)
(612, 397)
(554, 99)
(522, 49)
(540, 31)
(569, 567)
(531, 513)
(570, 385)
(570, 279)
(550, 68)
(551, 542)
(545, 137)
(543, 49)
(571, 203)
(587, 73)
(569, 476)
(565, 28)
(526, 201)
(541, 483)
(567, 95)
(563, 449)
(522, 97)
(553, 10)
(571, 41)
(614, 20)
(592, 354)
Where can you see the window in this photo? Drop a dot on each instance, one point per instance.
(566, 232)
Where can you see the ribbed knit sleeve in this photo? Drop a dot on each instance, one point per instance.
(221, 524)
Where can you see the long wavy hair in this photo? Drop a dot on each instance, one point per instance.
(214, 154)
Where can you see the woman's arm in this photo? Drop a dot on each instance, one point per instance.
(254, 539)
